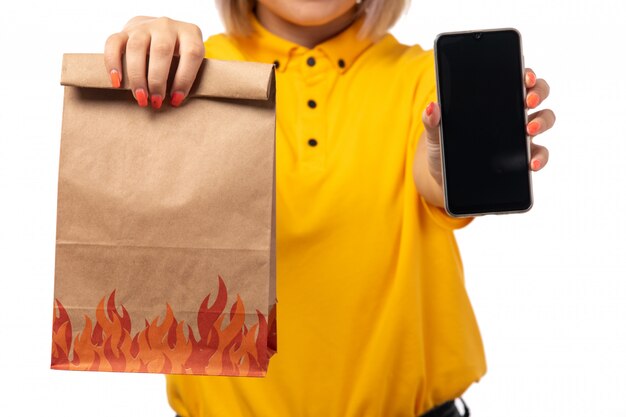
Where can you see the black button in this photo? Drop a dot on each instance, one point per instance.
(312, 142)
(312, 104)
(311, 61)
(276, 64)
(341, 63)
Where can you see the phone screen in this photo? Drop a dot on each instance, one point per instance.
(483, 122)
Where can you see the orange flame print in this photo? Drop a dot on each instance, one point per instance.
(220, 349)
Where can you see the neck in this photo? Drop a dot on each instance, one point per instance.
(308, 36)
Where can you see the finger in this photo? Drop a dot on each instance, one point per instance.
(136, 51)
(538, 156)
(161, 52)
(431, 117)
(537, 94)
(191, 50)
(540, 121)
(113, 50)
(530, 78)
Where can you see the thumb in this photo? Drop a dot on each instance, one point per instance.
(431, 116)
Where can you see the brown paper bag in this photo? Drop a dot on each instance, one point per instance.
(165, 248)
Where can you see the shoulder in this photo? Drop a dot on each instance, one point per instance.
(416, 56)
(222, 46)
(419, 63)
(410, 65)
(406, 56)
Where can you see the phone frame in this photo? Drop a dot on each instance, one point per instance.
(441, 136)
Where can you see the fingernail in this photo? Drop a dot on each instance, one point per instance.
(156, 101)
(429, 109)
(142, 97)
(177, 98)
(532, 100)
(531, 78)
(115, 79)
(536, 164)
(533, 127)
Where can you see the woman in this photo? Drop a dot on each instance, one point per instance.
(374, 316)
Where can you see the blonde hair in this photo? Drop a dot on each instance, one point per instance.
(380, 16)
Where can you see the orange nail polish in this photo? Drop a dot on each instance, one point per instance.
(536, 164)
(532, 100)
(115, 79)
(532, 79)
(429, 109)
(156, 101)
(533, 127)
(177, 98)
(142, 97)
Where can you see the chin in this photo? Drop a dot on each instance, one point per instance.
(309, 12)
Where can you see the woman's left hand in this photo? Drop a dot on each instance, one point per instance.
(537, 90)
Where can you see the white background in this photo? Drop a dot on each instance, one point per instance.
(548, 287)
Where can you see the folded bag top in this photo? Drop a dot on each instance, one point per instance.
(215, 78)
(165, 247)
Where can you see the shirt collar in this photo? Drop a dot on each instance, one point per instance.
(342, 49)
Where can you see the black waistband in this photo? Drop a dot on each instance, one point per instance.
(448, 409)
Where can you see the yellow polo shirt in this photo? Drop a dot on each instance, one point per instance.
(373, 317)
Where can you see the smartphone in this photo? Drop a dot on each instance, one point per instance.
(485, 149)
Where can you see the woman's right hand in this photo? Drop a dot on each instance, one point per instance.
(161, 38)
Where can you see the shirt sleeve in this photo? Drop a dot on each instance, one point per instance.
(425, 92)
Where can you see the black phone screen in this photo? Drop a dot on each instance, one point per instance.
(483, 124)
